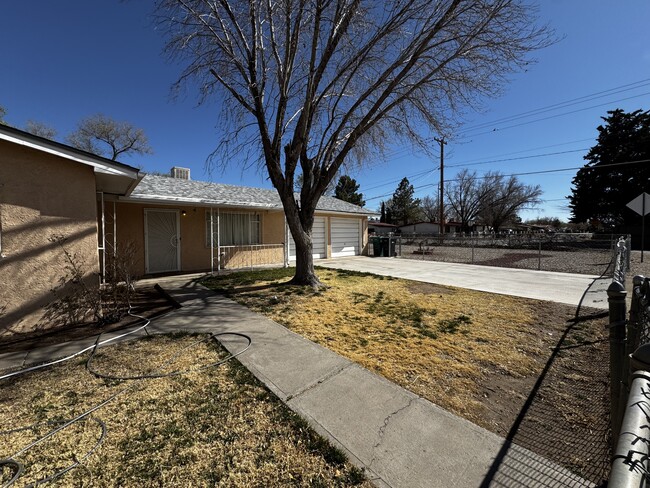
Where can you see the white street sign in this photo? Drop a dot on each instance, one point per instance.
(638, 206)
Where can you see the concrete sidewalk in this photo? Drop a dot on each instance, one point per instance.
(564, 288)
(400, 439)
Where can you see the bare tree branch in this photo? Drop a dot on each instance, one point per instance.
(94, 133)
(333, 82)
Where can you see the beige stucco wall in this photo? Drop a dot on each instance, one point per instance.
(40, 195)
(195, 254)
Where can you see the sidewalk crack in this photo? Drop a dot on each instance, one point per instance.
(319, 381)
(382, 429)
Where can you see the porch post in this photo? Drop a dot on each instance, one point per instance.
(218, 240)
(286, 243)
(102, 248)
(211, 240)
(114, 229)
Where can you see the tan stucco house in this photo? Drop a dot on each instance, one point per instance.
(172, 223)
(183, 225)
(48, 189)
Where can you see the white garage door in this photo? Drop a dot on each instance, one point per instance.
(319, 240)
(345, 237)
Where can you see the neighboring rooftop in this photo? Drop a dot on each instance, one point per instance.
(168, 189)
(381, 224)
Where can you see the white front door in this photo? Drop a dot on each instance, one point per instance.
(162, 241)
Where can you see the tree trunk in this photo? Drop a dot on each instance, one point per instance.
(305, 273)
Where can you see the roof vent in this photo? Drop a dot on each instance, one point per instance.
(180, 173)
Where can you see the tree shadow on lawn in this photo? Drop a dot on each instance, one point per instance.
(573, 387)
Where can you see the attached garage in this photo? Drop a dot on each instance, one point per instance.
(346, 237)
(319, 240)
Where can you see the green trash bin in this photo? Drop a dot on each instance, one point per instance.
(385, 251)
(376, 246)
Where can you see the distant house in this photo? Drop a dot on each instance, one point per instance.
(380, 228)
(173, 224)
(429, 228)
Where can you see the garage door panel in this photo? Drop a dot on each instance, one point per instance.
(318, 238)
(345, 237)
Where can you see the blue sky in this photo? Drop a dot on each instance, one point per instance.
(65, 60)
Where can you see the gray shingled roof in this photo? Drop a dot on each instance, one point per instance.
(166, 189)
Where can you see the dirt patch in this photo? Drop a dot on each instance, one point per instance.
(515, 366)
(561, 413)
(427, 288)
(147, 302)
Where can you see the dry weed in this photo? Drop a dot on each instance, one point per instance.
(216, 427)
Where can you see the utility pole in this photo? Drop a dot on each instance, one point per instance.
(441, 204)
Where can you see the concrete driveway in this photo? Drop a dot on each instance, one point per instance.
(564, 288)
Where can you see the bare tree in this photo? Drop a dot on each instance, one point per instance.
(3, 112)
(466, 195)
(506, 197)
(430, 209)
(314, 84)
(40, 129)
(106, 137)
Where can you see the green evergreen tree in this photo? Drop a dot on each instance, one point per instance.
(346, 190)
(404, 208)
(610, 179)
(389, 214)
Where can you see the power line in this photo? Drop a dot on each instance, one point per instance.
(529, 113)
(393, 181)
(566, 103)
(542, 147)
(528, 173)
(557, 115)
(517, 159)
(558, 170)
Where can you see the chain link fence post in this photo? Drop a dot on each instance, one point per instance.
(473, 242)
(617, 312)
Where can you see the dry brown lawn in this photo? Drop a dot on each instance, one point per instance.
(518, 367)
(436, 341)
(215, 427)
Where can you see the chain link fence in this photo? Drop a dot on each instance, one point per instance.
(570, 253)
(630, 377)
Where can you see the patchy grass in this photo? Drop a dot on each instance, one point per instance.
(436, 341)
(215, 427)
(479, 355)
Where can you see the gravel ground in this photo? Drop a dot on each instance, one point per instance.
(637, 267)
(583, 261)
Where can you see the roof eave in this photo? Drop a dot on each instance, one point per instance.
(100, 164)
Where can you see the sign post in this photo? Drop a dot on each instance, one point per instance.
(640, 206)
